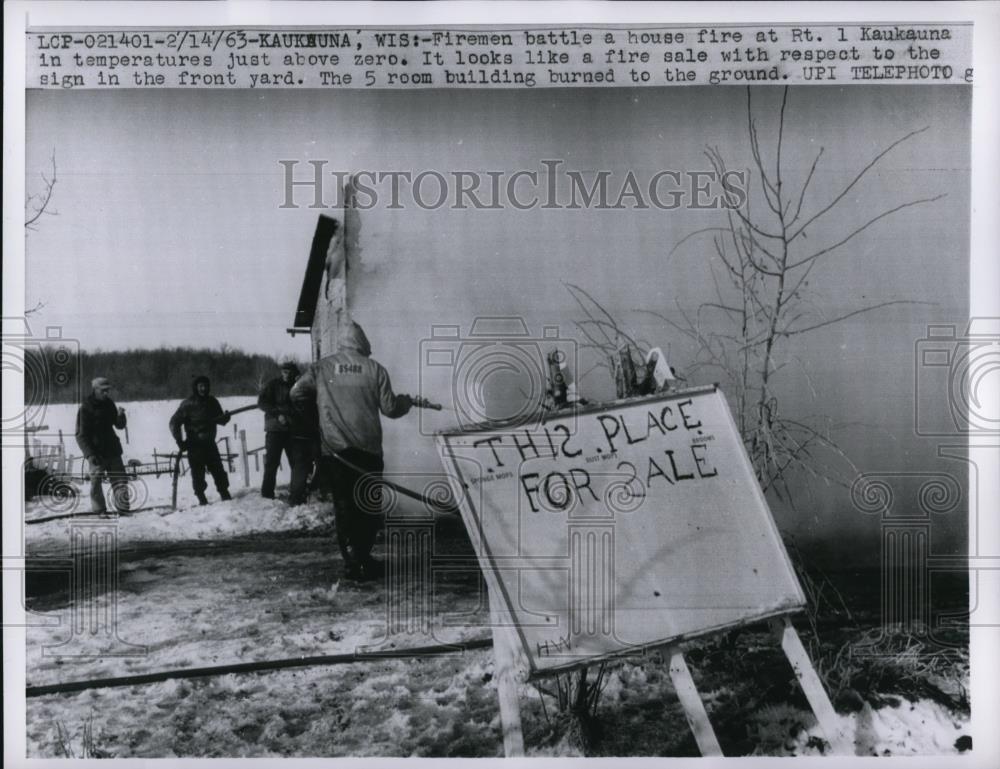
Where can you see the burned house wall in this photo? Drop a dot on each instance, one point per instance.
(332, 302)
(322, 304)
(331, 311)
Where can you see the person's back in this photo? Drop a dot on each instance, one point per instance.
(351, 390)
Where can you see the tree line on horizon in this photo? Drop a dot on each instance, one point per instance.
(136, 375)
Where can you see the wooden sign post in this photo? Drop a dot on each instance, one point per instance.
(614, 529)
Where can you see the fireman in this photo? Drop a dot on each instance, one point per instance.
(352, 392)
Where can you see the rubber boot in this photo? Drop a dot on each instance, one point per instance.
(224, 495)
(201, 498)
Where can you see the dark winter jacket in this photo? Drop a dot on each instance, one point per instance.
(95, 428)
(198, 416)
(302, 420)
(275, 402)
(351, 391)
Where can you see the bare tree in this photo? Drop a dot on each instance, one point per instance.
(763, 299)
(38, 203)
(603, 334)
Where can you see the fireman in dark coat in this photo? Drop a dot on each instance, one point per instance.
(96, 422)
(199, 415)
(285, 431)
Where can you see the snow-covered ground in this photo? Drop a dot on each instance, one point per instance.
(254, 579)
(247, 515)
(266, 597)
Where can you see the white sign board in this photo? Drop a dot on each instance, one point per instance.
(611, 529)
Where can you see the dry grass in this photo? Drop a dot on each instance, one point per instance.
(88, 745)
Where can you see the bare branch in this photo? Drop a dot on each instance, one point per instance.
(574, 288)
(574, 291)
(786, 332)
(720, 250)
(614, 327)
(38, 204)
(688, 237)
(856, 179)
(601, 345)
(845, 316)
(781, 135)
(864, 227)
(805, 186)
(750, 225)
(755, 150)
(754, 243)
(802, 278)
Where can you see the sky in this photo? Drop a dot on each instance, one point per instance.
(170, 229)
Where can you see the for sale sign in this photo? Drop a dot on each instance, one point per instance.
(630, 525)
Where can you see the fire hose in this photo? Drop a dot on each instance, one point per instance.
(418, 402)
(175, 475)
(257, 667)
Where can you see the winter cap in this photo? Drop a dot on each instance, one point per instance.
(100, 383)
(290, 366)
(198, 380)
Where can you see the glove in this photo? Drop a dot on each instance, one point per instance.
(95, 462)
(182, 445)
(405, 402)
(224, 419)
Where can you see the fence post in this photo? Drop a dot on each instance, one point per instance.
(229, 454)
(245, 458)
